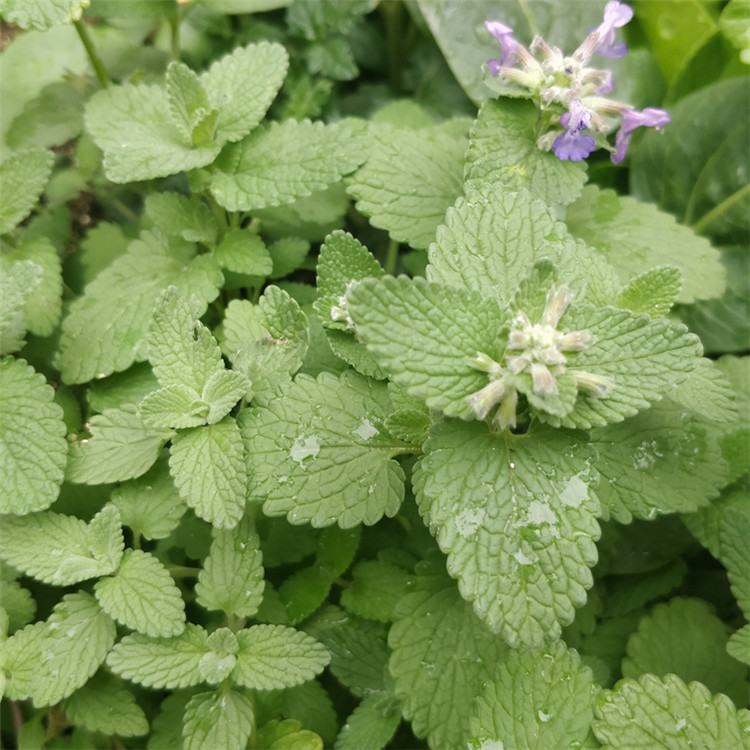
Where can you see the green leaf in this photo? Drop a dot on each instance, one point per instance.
(121, 447)
(274, 656)
(23, 176)
(51, 660)
(281, 162)
(188, 105)
(208, 468)
(33, 452)
(106, 328)
(503, 150)
(372, 724)
(242, 251)
(628, 593)
(287, 254)
(733, 537)
(518, 521)
(408, 197)
(103, 244)
(42, 14)
(684, 638)
(160, 662)
(232, 576)
(376, 589)
(218, 719)
(320, 452)
(288, 735)
(266, 342)
(180, 216)
(437, 675)
(303, 592)
(105, 705)
(150, 505)
(669, 714)
(175, 406)
(17, 602)
(704, 191)
(74, 551)
(652, 292)
(635, 236)
(707, 392)
(53, 118)
(663, 460)
(143, 596)
(219, 661)
(342, 259)
(733, 24)
(17, 282)
(426, 336)
(551, 701)
(738, 646)
(43, 305)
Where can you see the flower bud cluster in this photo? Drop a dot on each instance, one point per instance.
(570, 94)
(536, 349)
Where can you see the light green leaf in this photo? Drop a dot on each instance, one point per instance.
(628, 593)
(121, 447)
(503, 150)
(734, 534)
(683, 637)
(635, 236)
(188, 105)
(221, 719)
(180, 216)
(106, 329)
(218, 662)
(232, 576)
(426, 336)
(181, 349)
(304, 592)
(266, 342)
(287, 254)
(132, 126)
(208, 468)
(733, 23)
(669, 714)
(105, 705)
(33, 452)
(288, 735)
(274, 656)
(342, 259)
(437, 675)
(143, 596)
(376, 589)
(537, 700)
(278, 163)
(372, 724)
(18, 280)
(242, 86)
(653, 292)
(74, 551)
(51, 660)
(320, 452)
(738, 645)
(175, 406)
(102, 245)
(663, 460)
(222, 391)
(17, 603)
(43, 305)
(408, 197)
(707, 392)
(518, 521)
(150, 505)
(245, 252)
(42, 14)
(160, 662)
(23, 176)
(128, 387)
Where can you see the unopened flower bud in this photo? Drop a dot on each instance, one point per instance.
(543, 380)
(482, 401)
(597, 386)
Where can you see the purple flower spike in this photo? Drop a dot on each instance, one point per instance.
(494, 65)
(616, 15)
(632, 119)
(504, 35)
(573, 145)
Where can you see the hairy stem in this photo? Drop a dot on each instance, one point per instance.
(96, 61)
(391, 259)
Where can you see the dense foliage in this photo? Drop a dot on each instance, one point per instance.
(353, 395)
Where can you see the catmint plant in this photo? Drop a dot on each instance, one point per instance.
(344, 404)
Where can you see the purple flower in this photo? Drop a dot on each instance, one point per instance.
(616, 14)
(494, 66)
(504, 35)
(573, 145)
(577, 117)
(632, 119)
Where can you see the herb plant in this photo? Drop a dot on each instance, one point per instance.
(374, 375)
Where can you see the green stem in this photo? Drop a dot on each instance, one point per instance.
(391, 260)
(393, 17)
(15, 711)
(174, 25)
(96, 61)
(719, 209)
(183, 571)
(124, 210)
(529, 17)
(136, 540)
(219, 214)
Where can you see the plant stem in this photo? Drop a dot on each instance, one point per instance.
(15, 710)
(391, 260)
(183, 571)
(96, 61)
(719, 209)
(529, 17)
(174, 24)
(393, 17)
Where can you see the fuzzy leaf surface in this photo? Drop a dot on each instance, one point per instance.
(734, 533)
(106, 328)
(23, 176)
(217, 719)
(42, 14)
(180, 216)
(517, 520)
(160, 662)
(376, 588)
(372, 723)
(143, 596)
(33, 451)
(278, 163)
(274, 656)
(244, 252)
(408, 197)
(321, 455)
(653, 292)
(208, 468)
